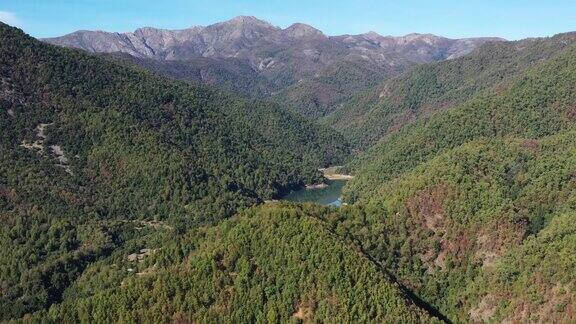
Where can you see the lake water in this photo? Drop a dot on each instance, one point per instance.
(329, 196)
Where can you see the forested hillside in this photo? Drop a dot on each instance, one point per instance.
(470, 207)
(430, 88)
(91, 108)
(95, 152)
(480, 231)
(128, 196)
(268, 264)
(230, 74)
(533, 104)
(320, 96)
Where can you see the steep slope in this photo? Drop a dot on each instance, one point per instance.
(533, 104)
(319, 96)
(94, 154)
(480, 231)
(229, 74)
(533, 282)
(430, 88)
(462, 206)
(231, 273)
(283, 57)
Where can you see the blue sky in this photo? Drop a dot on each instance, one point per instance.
(511, 19)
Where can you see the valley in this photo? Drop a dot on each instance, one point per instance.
(244, 172)
(298, 67)
(329, 195)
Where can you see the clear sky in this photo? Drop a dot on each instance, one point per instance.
(511, 19)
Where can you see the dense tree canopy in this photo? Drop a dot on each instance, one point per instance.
(431, 88)
(268, 264)
(128, 197)
(461, 205)
(92, 150)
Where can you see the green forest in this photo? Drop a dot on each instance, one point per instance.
(128, 196)
(138, 149)
(427, 89)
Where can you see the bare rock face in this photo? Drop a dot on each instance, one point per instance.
(299, 61)
(255, 40)
(299, 30)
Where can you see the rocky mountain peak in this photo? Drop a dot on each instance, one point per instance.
(281, 51)
(414, 37)
(299, 30)
(247, 21)
(241, 28)
(372, 35)
(149, 32)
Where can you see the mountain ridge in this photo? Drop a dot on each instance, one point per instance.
(127, 196)
(431, 88)
(282, 57)
(241, 23)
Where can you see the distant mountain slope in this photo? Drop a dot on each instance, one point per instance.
(89, 105)
(282, 57)
(95, 153)
(537, 102)
(320, 96)
(231, 74)
(231, 273)
(430, 88)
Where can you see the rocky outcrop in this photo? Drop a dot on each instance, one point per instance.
(255, 40)
(299, 64)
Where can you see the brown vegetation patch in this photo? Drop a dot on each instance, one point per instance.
(428, 206)
(400, 121)
(460, 245)
(558, 306)
(570, 113)
(9, 194)
(484, 310)
(304, 310)
(426, 209)
(431, 108)
(455, 247)
(71, 197)
(105, 172)
(495, 239)
(181, 317)
(531, 144)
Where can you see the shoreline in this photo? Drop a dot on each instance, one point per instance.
(331, 173)
(338, 176)
(316, 186)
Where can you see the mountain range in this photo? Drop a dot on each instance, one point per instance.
(299, 65)
(142, 177)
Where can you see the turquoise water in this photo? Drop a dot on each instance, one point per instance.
(330, 196)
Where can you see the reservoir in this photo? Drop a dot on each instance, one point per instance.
(329, 196)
